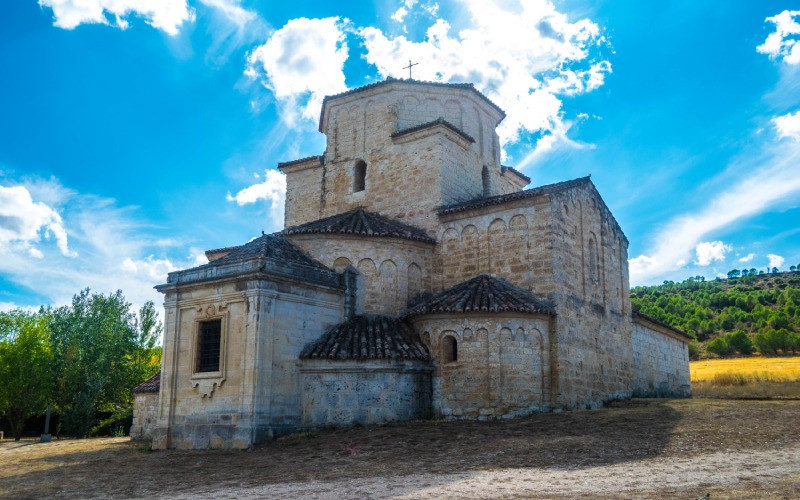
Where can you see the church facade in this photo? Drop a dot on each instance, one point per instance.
(416, 277)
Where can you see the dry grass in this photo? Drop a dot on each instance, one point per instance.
(755, 377)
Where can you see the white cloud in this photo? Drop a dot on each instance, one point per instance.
(775, 175)
(112, 250)
(747, 258)
(24, 222)
(231, 26)
(709, 251)
(788, 125)
(272, 189)
(301, 63)
(522, 60)
(775, 260)
(783, 43)
(165, 15)
(400, 14)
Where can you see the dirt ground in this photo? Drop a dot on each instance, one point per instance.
(638, 448)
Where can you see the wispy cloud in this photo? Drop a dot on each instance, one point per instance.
(272, 190)
(747, 258)
(98, 244)
(775, 175)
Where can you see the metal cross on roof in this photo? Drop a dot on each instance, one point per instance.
(409, 68)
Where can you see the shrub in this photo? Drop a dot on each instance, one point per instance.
(719, 346)
(739, 341)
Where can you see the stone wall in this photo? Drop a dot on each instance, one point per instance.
(342, 393)
(256, 392)
(433, 166)
(661, 362)
(511, 241)
(392, 270)
(590, 271)
(502, 369)
(145, 415)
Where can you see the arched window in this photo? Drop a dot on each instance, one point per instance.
(449, 349)
(485, 179)
(360, 176)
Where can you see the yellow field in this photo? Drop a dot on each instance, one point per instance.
(747, 377)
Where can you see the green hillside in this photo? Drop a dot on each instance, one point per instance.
(729, 316)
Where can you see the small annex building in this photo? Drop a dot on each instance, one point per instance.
(416, 277)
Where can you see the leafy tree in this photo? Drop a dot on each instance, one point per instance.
(719, 346)
(792, 268)
(25, 362)
(739, 341)
(774, 270)
(102, 352)
(734, 273)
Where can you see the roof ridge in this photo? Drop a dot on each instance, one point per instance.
(517, 195)
(391, 80)
(481, 293)
(363, 223)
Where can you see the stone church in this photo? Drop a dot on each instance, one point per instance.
(416, 278)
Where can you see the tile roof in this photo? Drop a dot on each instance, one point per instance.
(638, 315)
(368, 337)
(389, 80)
(362, 223)
(282, 164)
(504, 168)
(438, 121)
(153, 384)
(519, 195)
(483, 293)
(270, 246)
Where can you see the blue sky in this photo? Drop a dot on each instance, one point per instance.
(133, 138)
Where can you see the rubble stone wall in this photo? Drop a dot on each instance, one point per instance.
(341, 393)
(594, 332)
(661, 362)
(502, 367)
(392, 270)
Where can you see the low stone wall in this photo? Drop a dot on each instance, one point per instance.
(347, 392)
(660, 361)
(145, 414)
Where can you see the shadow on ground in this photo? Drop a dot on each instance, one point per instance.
(623, 432)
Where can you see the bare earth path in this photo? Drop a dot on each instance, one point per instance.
(640, 448)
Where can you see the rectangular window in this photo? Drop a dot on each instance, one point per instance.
(208, 345)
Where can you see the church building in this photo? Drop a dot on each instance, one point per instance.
(416, 277)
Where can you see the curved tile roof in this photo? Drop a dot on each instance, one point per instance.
(362, 223)
(153, 384)
(270, 246)
(368, 337)
(518, 195)
(483, 293)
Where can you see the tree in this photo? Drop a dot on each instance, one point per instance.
(719, 346)
(740, 342)
(102, 352)
(25, 363)
(792, 268)
(734, 273)
(774, 270)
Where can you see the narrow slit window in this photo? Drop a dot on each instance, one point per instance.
(208, 345)
(449, 349)
(485, 180)
(360, 176)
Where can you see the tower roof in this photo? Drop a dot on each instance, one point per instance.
(368, 337)
(483, 293)
(391, 81)
(362, 223)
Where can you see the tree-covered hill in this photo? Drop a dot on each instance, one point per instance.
(758, 312)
